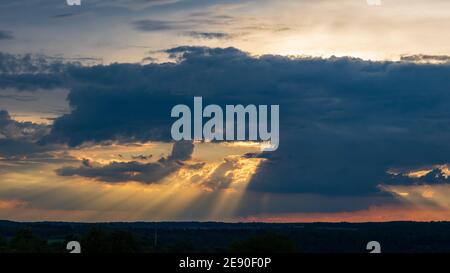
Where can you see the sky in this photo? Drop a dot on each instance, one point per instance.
(86, 94)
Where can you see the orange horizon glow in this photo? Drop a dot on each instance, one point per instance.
(373, 214)
(43, 195)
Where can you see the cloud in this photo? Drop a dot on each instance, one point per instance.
(222, 177)
(115, 172)
(209, 35)
(434, 176)
(191, 23)
(18, 140)
(182, 150)
(343, 122)
(6, 35)
(124, 171)
(31, 72)
(29, 64)
(27, 131)
(153, 25)
(141, 157)
(426, 58)
(17, 97)
(11, 204)
(64, 15)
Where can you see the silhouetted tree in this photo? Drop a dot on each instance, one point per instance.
(264, 243)
(123, 242)
(95, 241)
(101, 241)
(26, 242)
(3, 245)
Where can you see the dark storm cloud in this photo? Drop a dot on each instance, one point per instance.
(343, 121)
(6, 35)
(134, 171)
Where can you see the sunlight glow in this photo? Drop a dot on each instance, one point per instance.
(217, 186)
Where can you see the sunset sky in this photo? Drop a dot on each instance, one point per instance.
(86, 94)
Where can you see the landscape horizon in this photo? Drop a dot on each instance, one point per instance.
(214, 237)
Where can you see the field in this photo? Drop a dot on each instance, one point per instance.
(212, 237)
